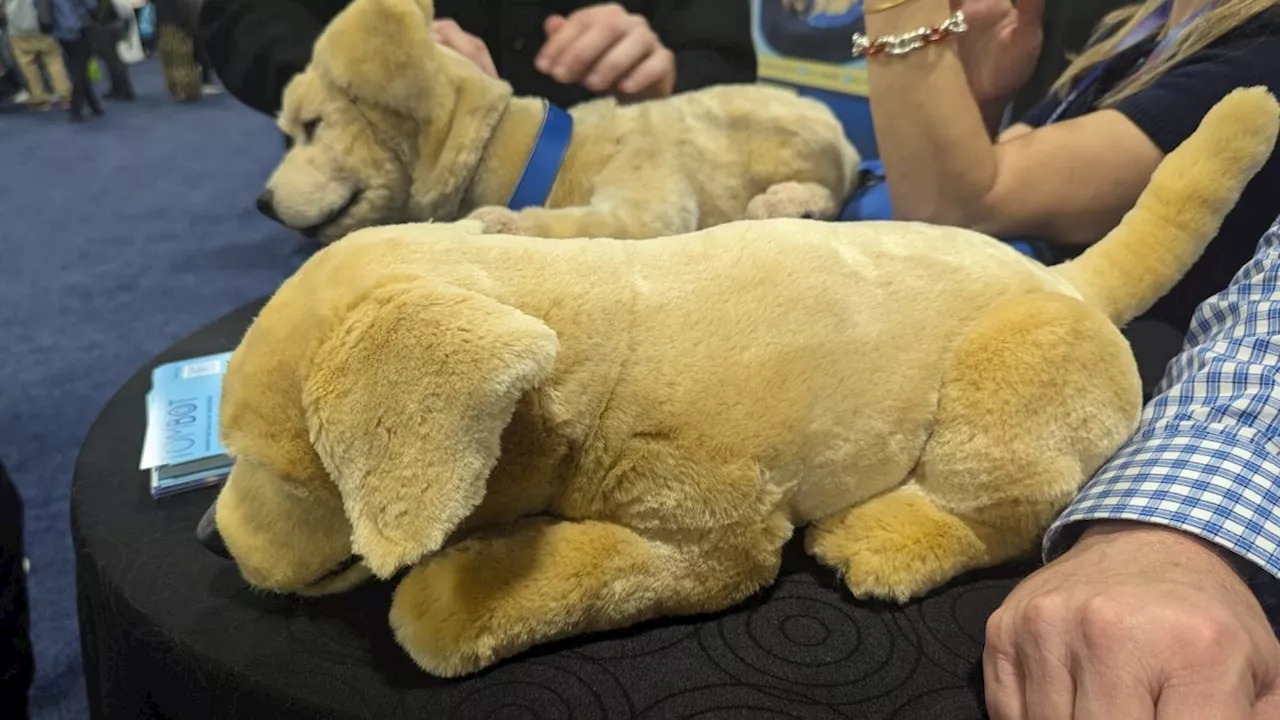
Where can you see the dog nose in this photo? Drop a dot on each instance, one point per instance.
(207, 534)
(266, 205)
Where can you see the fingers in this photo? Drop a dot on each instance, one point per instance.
(559, 40)
(620, 60)
(588, 46)
(656, 69)
(553, 24)
(1102, 694)
(1045, 661)
(449, 34)
(1001, 676)
(597, 46)
(1205, 701)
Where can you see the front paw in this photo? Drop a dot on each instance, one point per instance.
(498, 220)
(443, 621)
(792, 200)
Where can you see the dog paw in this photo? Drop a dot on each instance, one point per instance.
(792, 200)
(454, 620)
(498, 220)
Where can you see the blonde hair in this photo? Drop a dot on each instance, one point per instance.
(1222, 19)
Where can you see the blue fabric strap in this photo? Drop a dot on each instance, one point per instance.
(545, 159)
(871, 202)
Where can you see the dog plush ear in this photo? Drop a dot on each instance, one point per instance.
(381, 51)
(406, 405)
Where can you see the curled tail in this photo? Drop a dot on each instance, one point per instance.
(1181, 210)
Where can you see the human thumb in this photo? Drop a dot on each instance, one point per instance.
(552, 24)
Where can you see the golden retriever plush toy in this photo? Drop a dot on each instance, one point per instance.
(386, 127)
(562, 436)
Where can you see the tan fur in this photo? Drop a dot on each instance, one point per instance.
(410, 131)
(562, 436)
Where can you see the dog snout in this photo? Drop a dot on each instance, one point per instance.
(208, 535)
(266, 205)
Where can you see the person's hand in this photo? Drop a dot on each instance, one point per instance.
(1002, 47)
(1135, 622)
(449, 34)
(608, 50)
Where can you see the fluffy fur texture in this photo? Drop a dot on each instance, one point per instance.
(563, 436)
(387, 127)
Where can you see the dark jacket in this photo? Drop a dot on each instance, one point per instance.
(256, 46)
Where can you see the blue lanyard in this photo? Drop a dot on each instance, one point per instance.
(1150, 25)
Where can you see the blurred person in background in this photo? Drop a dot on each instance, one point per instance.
(105, 27)
(69, 20)
(177, 25)
(35, 49)
(566, 51)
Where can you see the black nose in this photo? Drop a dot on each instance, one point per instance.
(266, 205)
(207, 534)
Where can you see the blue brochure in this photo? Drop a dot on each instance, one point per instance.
(182, 448)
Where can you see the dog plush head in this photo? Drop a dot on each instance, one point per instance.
(383, 126)
(365, 419)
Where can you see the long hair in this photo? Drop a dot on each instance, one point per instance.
(1222, 19)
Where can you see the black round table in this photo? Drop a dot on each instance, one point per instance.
(170, 631)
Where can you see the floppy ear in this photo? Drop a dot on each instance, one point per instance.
(381, 50)
(406, 405)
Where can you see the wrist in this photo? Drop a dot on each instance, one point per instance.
(907, 16)
(1165, 544)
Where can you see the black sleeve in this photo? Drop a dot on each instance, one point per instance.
(711, 40)
(257, 46)
(1171, 108)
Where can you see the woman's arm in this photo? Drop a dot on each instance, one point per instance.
(1070, 182)
(257, 46)
(711, 40)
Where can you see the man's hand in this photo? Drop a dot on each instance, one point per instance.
(608, 50)
(1136, 622)
(450, 35)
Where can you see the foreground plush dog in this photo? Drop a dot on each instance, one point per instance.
(388, 127)
(558, 437)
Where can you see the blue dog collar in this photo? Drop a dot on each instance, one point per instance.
(545, 159)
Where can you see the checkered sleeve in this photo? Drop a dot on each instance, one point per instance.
(1204, 458)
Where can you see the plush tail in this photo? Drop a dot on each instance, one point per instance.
(1180, 211)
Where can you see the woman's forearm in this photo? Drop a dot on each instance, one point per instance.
(938, 156)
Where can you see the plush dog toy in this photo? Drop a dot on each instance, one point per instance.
(386, 127)
(563, 436)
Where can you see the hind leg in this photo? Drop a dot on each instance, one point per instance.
(793, 200)
(1039, 394)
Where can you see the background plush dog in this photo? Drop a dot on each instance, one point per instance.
(564, 436)
(388, 127)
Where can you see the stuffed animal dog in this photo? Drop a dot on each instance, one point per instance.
(563, 436)
(388, 127)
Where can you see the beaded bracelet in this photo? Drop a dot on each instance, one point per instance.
(908, 42)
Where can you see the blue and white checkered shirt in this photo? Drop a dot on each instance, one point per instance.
(1206, 457)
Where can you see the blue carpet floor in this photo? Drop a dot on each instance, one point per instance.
(117, 237)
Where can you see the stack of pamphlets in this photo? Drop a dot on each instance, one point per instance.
(181, 447)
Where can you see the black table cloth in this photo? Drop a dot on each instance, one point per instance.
(168, 630)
